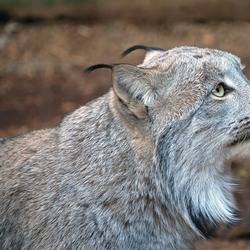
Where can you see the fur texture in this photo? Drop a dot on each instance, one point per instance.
(142, 167)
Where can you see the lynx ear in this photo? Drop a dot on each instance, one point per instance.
(150, 51)
(135, 88)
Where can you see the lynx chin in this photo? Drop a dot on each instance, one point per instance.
(142, 167)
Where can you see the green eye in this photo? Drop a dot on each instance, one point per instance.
(219, 91)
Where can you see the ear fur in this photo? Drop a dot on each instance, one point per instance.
(134, 88)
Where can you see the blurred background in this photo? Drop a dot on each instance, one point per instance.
(45, 45)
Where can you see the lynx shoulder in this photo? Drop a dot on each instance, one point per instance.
(142, 167)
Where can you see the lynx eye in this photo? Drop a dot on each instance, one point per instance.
(221, 90)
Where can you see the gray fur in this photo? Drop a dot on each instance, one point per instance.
(142, 167)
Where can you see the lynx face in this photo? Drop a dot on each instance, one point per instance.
(206, 87)
(209, 87)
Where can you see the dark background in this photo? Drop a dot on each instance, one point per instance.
(45, 45)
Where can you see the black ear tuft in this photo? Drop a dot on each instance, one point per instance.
(97, 66)
(143, 47)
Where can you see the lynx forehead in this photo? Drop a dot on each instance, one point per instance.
(161, 58)
(142, 167)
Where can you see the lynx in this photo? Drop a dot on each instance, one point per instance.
(142, 167)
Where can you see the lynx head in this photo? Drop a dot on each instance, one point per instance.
(195, 103)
